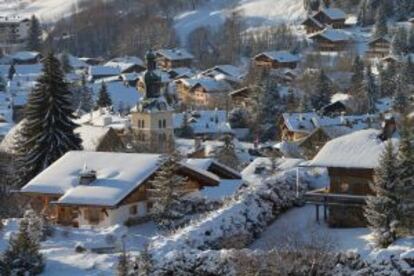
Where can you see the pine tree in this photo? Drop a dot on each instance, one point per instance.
(357, 73)
(66, 67)
(167, 189)
(399, 42)
(226, 154)
(48, 128)
(12, 72)
(408, 71)
(304, 104)
(144, 262)
(371, 90)
(410, 42)
(323, 91)
(22, 257)
(400, 99)
(387, 77)
(362, 15)
(381, 210)
(405, 181)
(124, 265)
(86, 99)
(34, 42)
(186, 131)
(380, 28)
(2, 84)
(104, 100)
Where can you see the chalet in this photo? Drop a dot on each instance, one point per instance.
(331, 40)
(23, 57)
(334, 109)
(203, 92)
(228, 72)
(243, 97)
(312, 25)
(99, 72)
(379, 47)
(331, 16)
(91, 61)
(276, 60)
(350, 160)
(103, 189)
(297, 126)
(173, 58)
(96, 138)
(127, 64)
(181, 73)
(206, 124)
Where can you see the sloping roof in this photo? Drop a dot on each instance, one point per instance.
(207, 163)
(25, 55)
(124, 63)
(333, 13)
(314, 21)
(280, 56)
(175, 54)
(333, 35)
(100, 70)
(204, 121)
(361, 149)
(91, 136)
(209, 84)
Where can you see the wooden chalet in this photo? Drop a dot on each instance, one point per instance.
(174, 58)
(103, 189)
(312, 25)
(379, 47)
(332, 17)
(276, 60)
(350, 160)
(331, 40)
(243, 97)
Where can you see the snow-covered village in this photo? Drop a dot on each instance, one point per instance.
(206, 137)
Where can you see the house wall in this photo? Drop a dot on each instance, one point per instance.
(169, 64)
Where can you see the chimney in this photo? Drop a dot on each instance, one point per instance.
(389, 126)
(87, 176)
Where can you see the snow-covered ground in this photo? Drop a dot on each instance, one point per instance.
(301, 224)
(256, 13)
(46, 10)
(59, 250)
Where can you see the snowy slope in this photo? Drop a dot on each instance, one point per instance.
(257, 13)
(46, 10)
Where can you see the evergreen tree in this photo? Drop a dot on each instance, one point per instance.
(48, 128)
(86, 99)
(381, 209)
(399, 42)
(144, 262)
(305, 104)
(405, 182)
(22, 257)
(357, 73)
(66, 67)
(124, 265)
(408, 71)
(327, 3)
(12, 72)
(380, 28)
(400, 96)
(104, 100)
(387, 77)
(323, 91)
(315, 4)
(371, 90)
(2, 84)
(167, 189)
(291, 102)
(362, 15)
(186, 131)
(226, 154)
(410, 42)
(34, 42)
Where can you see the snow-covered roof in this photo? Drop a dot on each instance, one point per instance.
(280, 56)
(361, 149)
(175, 54)
(209, 84)
(308, 122)
(91, 136)
(25, 55)
(204, 121)
(100, 70)
(313, 20)
(332, 35)
(334, 13)
(120, 93)
(206, 163)
(124, 63)
(226, 188)
(118, 174)
(104, 118)
(226, 69)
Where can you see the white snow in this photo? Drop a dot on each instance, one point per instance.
(91, 136)
(361, 149)
(281, 56)
(175, 54)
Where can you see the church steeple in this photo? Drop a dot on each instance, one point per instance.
(151, 79)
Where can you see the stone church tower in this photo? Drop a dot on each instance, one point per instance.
(152, 119)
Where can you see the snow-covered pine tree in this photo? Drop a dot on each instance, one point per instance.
(405, 181)
(104, 100)
(186, 131)
(382, 208)
(400, 98)
(323, 91)
(22, 256)
(86, 99)
(166, 191)
(226, 154)
(66, 67)
(399, 42)
(48, 128)
(124, 264)
(304, 104)
(380, 28)
(371, 90)
(387, 77)
(34, 41)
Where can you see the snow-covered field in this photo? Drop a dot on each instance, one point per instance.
(59, 250)
(46, 10)
(257, 13)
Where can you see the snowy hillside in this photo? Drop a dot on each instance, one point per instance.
(257, 13)
(46, 10)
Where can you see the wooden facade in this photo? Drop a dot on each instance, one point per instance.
(264, 61)
(312, 144)
(312, 25)
(379, 48)
(168, 63)
(323, 18)
(325, 44)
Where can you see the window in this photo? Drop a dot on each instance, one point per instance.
(142, 124)
(133, 210)
(159, 124)
(139, 123)
(164, 123)
(93, 215)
